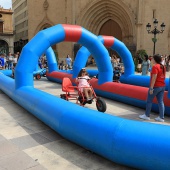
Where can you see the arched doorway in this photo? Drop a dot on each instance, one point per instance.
(100, 14)
(4, 48)
(111, 28)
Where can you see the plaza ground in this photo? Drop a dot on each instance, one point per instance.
(27, 143)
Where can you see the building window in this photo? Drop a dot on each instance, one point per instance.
(1, 27)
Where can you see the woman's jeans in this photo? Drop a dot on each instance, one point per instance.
(159, 93)
(10, 65)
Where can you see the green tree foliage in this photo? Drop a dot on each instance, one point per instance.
(139, 53)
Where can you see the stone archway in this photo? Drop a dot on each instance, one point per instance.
(4, 47)
(98, 12)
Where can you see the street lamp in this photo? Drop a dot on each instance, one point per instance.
(155, 31)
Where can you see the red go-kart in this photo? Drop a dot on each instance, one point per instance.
(74, 93)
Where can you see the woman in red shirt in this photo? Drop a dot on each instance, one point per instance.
(157, 88)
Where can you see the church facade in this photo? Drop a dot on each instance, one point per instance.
(124, 19)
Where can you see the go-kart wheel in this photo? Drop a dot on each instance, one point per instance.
(38, 76)
(63, 96)
(82, 102)
(101, 105)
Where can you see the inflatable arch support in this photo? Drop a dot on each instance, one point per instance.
(114, 44)
(44, 39)
(129, 76)
(117, 139)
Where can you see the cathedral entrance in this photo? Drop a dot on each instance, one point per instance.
(111, 28)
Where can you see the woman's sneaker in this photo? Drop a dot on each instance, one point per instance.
(144, 117)
(159, 119)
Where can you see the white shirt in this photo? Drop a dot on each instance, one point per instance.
(83, 81)
(15, 60)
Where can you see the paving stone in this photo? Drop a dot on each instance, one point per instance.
(17, 161)
(13, 132)
(62, 147)
(26, 119)
(7, 148)
(41, 153)
(13, 108)
(2, 138)
(38, 167)
(1, 168)
(37, 127)
(29, 141)
(51, 135)
(60, 164)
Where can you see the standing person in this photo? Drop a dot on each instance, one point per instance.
(157, 88)
(2, 63)
(61, 65)
(5, 61)
(83, 84)
(114, 61)
(10, 61)
(145, 65)
(18, 55)
(168, 63)
(163, 60)
(68, 61)
(139, 64)
(15, 60)
(40, 63)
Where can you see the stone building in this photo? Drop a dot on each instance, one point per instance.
(6, 31)
(123, 19)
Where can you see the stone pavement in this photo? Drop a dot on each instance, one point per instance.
(28, 144)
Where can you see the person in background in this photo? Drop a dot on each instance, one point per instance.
(139, 64)
(168, 63)
(68, 61)
(2, 62)
(157, 88)
(5, 61)
(40, 63)
(145, 65)
(150, 58)
(15, 60)
(83, 84)
(18, 55)
(114, 61)
(10, 61)
(91, 61)
(61, 65)
(163, 60)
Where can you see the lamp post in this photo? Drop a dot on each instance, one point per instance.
(155, 31)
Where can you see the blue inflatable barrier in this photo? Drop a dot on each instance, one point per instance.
(6, 72)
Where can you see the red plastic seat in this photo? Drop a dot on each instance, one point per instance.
(67, 85)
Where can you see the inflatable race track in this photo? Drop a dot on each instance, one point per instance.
(135, 144)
